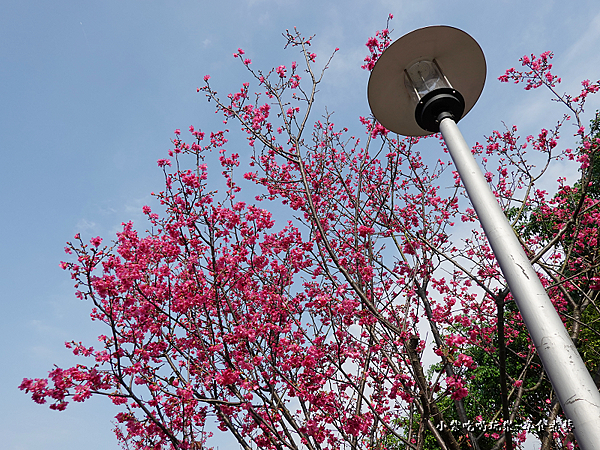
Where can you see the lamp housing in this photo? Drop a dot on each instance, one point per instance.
(430, 71)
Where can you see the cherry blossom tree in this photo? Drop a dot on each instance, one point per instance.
(375, 317)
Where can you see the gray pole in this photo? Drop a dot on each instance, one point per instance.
(571, 380)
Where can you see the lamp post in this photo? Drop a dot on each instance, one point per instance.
(424, 83)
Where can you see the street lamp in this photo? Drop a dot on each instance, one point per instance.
(431, 69)
(424, 83)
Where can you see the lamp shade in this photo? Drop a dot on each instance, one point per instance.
(427, 60)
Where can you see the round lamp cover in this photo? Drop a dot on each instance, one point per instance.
(459, 57)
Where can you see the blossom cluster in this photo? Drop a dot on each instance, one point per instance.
(308, 331)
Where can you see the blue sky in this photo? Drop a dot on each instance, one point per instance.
(92, 91)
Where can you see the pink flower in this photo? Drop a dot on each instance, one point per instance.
(455, 340)
(281, 71)
(206, 77)
(464, 360)
(118, 400)
(379, 129)
(364, 231)
(457, 386)
(96, 241)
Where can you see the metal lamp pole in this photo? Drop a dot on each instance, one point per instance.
(410, 94)
(570, 378)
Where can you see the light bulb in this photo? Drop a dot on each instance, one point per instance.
(425, 76)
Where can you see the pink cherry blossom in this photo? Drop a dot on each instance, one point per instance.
(296, 292)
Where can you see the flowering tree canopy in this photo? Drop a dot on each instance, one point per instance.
(317, 333)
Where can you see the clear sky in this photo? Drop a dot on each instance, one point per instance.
(90, 93)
